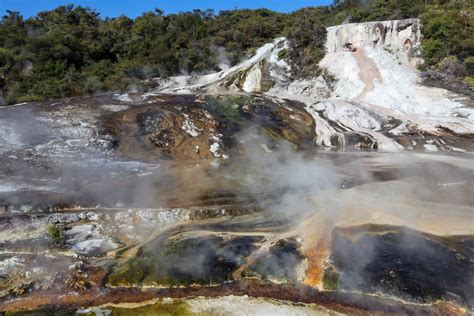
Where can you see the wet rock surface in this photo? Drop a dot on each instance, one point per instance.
(207, 260)
(403, 262)
(284, 263)
(115, 194)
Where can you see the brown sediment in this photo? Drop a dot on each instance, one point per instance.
(341, 302)
(316, 250)
(368, 73)
(316, 257)
(166, 137)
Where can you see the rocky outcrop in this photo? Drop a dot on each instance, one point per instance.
(257, 74)
(369, 71)
(347, 125)
(396, 34)
(376, 258)
(375, 66)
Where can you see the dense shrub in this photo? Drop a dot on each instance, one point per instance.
(307, 37)
(71, 51)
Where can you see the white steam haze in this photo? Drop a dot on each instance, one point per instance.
(59, 152)
(277, 168)
(419, 192)
(222, 59)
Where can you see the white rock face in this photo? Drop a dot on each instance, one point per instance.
(256, 74)
(388, 34)
(375, 67)
(189, 126)
(115, 107)
(94, 246)
(252, 82)
(353, 126)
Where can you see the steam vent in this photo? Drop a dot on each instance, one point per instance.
(272, 183)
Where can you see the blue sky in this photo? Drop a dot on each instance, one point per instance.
(133, 8)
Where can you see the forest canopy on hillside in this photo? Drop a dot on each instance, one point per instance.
(73, 51)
